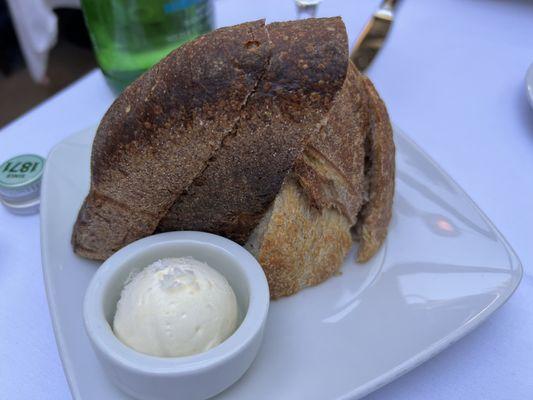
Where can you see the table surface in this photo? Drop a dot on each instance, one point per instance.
(452, 75)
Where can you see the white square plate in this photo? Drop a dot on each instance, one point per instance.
(443, 270)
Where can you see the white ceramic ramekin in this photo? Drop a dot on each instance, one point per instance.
(193, 377)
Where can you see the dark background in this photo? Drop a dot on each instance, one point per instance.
(70, 59)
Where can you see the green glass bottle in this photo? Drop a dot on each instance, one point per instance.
(129, 36)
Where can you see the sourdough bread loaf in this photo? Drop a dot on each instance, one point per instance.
(165, 130)
(288, 107)
(265, 134)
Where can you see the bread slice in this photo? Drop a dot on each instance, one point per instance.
(299, 245)
(371, 228)
(304, 237)
(343, 182)
(286, 110)
(275, 141)
(331, 170)
(167, 128)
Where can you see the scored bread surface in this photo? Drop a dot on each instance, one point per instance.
(265, 134)
(288, 107)
(163, 131)
(371, 228)
(305, 236)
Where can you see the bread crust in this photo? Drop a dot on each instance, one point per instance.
(331, 170)
(305, 236)
(287, 109)
(376, 213)
(267, 135)
(167, 126)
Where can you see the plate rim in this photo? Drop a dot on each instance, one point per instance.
(470, 325)
(371, 386)
(59, 337)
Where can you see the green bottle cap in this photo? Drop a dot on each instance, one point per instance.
(20, 183)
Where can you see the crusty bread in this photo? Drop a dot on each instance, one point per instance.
(331, 170)
(371, 228)
(299, 245)
(288, 107)
(165, 131)
(305, 236)
(161, 131)
(295, 165)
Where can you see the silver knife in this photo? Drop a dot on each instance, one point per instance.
(373, 35)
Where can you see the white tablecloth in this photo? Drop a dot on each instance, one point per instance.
(452, 75)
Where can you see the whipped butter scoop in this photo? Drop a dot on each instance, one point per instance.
(175, 307)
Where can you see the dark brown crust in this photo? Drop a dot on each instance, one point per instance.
(158, 135)
(331, 170)
(288, 107)
(307, 232)
(215, 129)
(371, 228)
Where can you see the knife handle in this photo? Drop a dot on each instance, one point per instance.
(389, 4)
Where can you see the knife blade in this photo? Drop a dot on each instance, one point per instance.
(373, 35)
